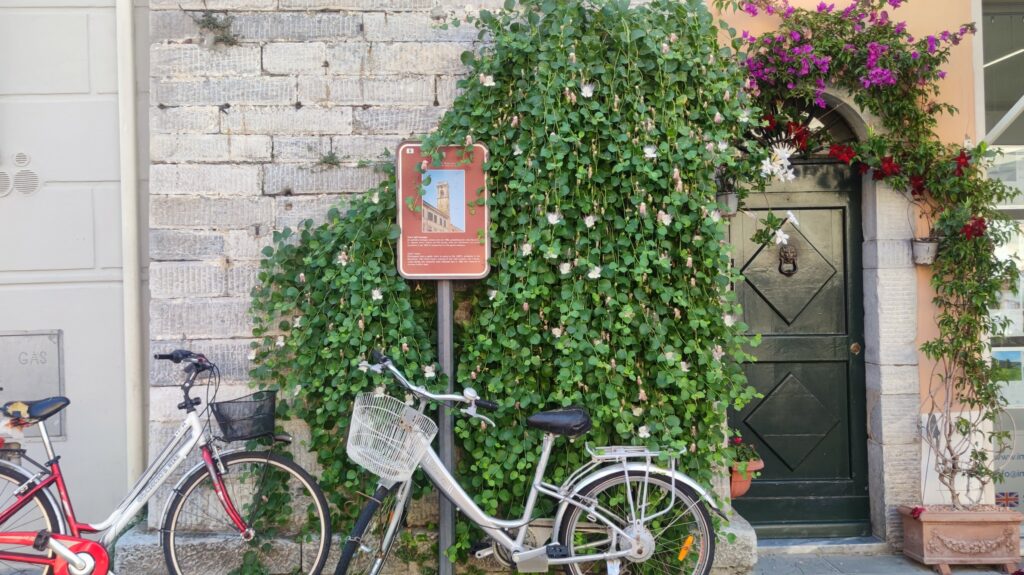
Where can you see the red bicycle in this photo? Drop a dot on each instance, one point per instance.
(235, 513)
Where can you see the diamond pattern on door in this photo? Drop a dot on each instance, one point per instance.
(807, 421)
(788, 296)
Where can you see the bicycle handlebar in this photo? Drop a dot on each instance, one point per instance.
(176, 356)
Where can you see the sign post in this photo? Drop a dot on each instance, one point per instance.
(444, 222)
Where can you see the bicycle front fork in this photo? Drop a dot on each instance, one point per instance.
(217, 478)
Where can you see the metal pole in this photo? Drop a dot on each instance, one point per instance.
(445, 337)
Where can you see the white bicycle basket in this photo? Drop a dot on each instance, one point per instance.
(387, 437)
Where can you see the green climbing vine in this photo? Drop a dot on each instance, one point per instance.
(611, 273)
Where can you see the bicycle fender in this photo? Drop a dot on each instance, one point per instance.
(63, 522)
(635, 467)
(184, 477)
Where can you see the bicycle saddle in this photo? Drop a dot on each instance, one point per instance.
(26, 413)
(570, 422)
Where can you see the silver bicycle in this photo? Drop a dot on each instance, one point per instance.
(618, 513)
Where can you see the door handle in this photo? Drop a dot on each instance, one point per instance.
(855, 348)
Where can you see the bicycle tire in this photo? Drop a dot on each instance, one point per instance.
(390, 501)
(686, 499)
(45, 517)
(199, 538)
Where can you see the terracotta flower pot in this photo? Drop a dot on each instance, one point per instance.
(942, 536)
(739, 482)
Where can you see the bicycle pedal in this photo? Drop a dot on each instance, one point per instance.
(480, 546)
(556, 551)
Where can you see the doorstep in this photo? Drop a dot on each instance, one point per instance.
(824, 546)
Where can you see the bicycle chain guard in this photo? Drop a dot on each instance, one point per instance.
(78, 546)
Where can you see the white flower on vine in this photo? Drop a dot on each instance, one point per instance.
(280, 341)
(516, 150)
(718, 118)
(729, 319)
(643, 209)
(587, 90)
(644, 432)
(781, 237)
(744, 116)
(376, 295)
(364, 367)
(684, 366)
(594, 273)
(556, 331)
(664, 218)
(792, 217)
(252, 355)
(375, 198)
(487, 80)
(565, 267)
(723, 146)
(491, 294)
(343, 258)
(716, 216)
(650, 152)
(777, 165)
(554, 218)
(670, 356)
(638, 411)
(428, 371)
(718, 353)
(589, 221)
(298, 321)
(527, 249)
(302, 278)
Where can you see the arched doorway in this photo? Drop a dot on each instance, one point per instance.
(810, 424)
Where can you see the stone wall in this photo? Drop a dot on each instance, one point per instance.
(238, 138)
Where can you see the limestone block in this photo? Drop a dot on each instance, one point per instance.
(242, 277)
(184, 245)
(200, 318)
(192, 119)
(413, 27)
(296, 26)
(740, 556)
(418, 58)
(187, 279)
(396, 90)
(209, 148)
(316, 179)
(892, 379)
(220, 180)
(890, 316)
(893, 418)
(300, 148)
(405, 121)
(388, 5)
(348, 58)
(357, 147)
(287, 120)
(294, 57)
(187, 60)
(215, 213)
(247, 244)
(240, 90)
(293, 210)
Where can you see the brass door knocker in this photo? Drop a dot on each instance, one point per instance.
(787, 260)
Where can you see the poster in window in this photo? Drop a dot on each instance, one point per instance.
(443, 213)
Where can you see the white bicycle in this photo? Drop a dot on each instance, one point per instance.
(618, 513)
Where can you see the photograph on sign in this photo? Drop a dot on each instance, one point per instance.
(442, 213)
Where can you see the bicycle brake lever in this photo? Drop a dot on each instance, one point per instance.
(471, 411)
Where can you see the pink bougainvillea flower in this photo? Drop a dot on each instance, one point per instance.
(974, 228)
(888, 168)
(917, 186)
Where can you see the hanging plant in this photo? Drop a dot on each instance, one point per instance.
(611, 274)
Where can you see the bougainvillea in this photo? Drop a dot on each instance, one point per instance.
(867, 52)
(611, 274)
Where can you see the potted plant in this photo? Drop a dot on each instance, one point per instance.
(925, 249)
(746, 463)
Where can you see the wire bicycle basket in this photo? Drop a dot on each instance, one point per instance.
(246, 417)
(387, 437)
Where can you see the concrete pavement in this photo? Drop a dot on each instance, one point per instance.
(852, 565)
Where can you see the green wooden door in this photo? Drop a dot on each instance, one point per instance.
(809, 426)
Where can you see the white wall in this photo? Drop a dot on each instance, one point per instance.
(60, 245)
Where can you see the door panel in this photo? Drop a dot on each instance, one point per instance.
(809, 424)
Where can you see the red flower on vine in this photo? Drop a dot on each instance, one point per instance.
(770, 119)
(916, 512)
(799, 134)
(974, 228)
(737, 440)
(842, 153)
(863, 168)
(917, 186)
(888, 168)
(962, 161)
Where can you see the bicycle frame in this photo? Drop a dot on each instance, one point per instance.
(190, 434)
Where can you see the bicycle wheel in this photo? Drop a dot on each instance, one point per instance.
(38, 514)
(680, 541)
(278, 499)
(375, 531)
